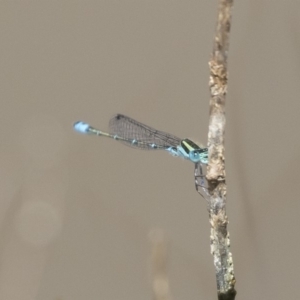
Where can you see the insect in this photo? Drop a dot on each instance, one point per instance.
(135, 134)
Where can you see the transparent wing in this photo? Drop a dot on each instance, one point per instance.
(145, 136)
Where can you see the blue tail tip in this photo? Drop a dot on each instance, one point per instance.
(81, 127)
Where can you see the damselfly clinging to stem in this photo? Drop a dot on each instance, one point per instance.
(135, 134)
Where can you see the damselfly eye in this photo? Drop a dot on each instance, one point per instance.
(194, 156)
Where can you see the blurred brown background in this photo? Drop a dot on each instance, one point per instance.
(76, 211)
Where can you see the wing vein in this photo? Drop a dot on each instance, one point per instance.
(145, 136)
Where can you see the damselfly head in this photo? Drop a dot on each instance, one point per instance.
(193, 152)
(199, 155)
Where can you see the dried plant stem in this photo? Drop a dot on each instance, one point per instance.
(215, 176)
(161, 290)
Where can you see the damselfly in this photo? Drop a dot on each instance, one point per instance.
(135, 134)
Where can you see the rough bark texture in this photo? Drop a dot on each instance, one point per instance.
(219, 236)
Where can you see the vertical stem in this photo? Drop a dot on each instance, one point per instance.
(161, 290)
(219, 236)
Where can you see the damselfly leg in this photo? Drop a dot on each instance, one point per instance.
(200, 180)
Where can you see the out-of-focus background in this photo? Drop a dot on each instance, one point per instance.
(77, 213)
